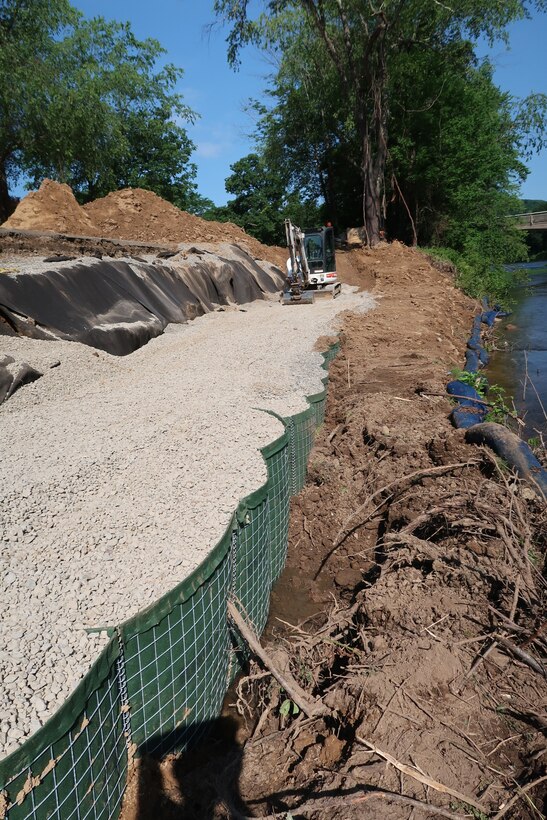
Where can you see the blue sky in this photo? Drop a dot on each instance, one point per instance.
(209, 86)
(218, 94)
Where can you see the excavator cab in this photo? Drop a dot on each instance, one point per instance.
(319, 246)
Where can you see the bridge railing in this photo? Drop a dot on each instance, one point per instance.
(530, 220)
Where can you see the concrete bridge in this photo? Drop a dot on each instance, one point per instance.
(531, 222)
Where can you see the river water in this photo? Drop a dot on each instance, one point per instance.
(521, 365)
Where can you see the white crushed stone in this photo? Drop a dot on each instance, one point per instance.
(119, 475)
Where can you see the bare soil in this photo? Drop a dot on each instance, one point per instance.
(416, 565)
(132, 214)
(52, 208)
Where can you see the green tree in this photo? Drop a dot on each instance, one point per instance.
(28, 29)
(262, 201)
(96, 112)
(360, 41)
(258, 198)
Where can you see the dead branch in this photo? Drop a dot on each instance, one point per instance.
(421, 778)
(521, 655)
(291, 687)
(344, 533)
(412, 477)
(352, 800)
(521, 792)
(507, 623)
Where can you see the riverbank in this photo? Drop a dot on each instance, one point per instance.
(401, 541)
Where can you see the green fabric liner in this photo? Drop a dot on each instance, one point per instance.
(156, 612)
(276, 446)
(302, 416)
(69, 716)
(251, 502)
(315, 398)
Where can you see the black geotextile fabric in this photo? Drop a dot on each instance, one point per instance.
(13, 375)
(118, 307)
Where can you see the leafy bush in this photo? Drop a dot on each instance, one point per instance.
(476, 274)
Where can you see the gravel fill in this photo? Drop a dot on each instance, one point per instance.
(120, 474)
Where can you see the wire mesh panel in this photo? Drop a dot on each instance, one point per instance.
(318, 403)
(331, 353)
(176, 658)
(276, 456)
(301, 430)
(76, 765)
(252, 574)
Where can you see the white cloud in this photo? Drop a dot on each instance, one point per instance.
(210, 150)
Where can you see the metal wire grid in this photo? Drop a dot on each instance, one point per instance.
(87, 780)
(302, 442)
(253, 578)
(331, 353)
(317, 407)
(177, 670)
(278, 509)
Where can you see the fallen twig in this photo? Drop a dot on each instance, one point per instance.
(421, 778)
(521, 655)
(343, 532)
(291, 687)
(335, 432)
(352, 800)
(521, 793)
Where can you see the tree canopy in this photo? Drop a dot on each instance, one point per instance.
(383, 111)
(83, 102)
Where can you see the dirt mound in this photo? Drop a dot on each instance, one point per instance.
(130, 214)
(136, 214)
(53, 207)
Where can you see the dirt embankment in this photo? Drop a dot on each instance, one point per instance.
(132, 214)
(415, 568)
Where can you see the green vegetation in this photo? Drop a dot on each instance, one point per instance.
(480, 275)
(385, 116)
(475, 380)
(499, 410)
(261, 202)
(494, 394)
(83, 102)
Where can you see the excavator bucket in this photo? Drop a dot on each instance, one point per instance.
(305, 297)
(330, 292)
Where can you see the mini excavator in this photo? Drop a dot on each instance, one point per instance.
(311, 265)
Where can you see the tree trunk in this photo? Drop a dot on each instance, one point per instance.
(372, 205)
(374, 140)
(373, 170)
(7, 204)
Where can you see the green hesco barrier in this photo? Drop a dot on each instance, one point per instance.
(75, 766)
(252, 566)
(331, 354)
(162, 678)
(301, 430)
(276, 456)
(176, 657)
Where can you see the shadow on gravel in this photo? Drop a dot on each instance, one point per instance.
(193, 785)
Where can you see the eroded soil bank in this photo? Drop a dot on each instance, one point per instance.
(415, 568)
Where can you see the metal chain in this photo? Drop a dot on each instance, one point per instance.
(124, 695)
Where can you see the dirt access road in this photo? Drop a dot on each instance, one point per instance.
(408, 550)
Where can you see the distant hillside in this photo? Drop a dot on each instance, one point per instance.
(533, 205)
